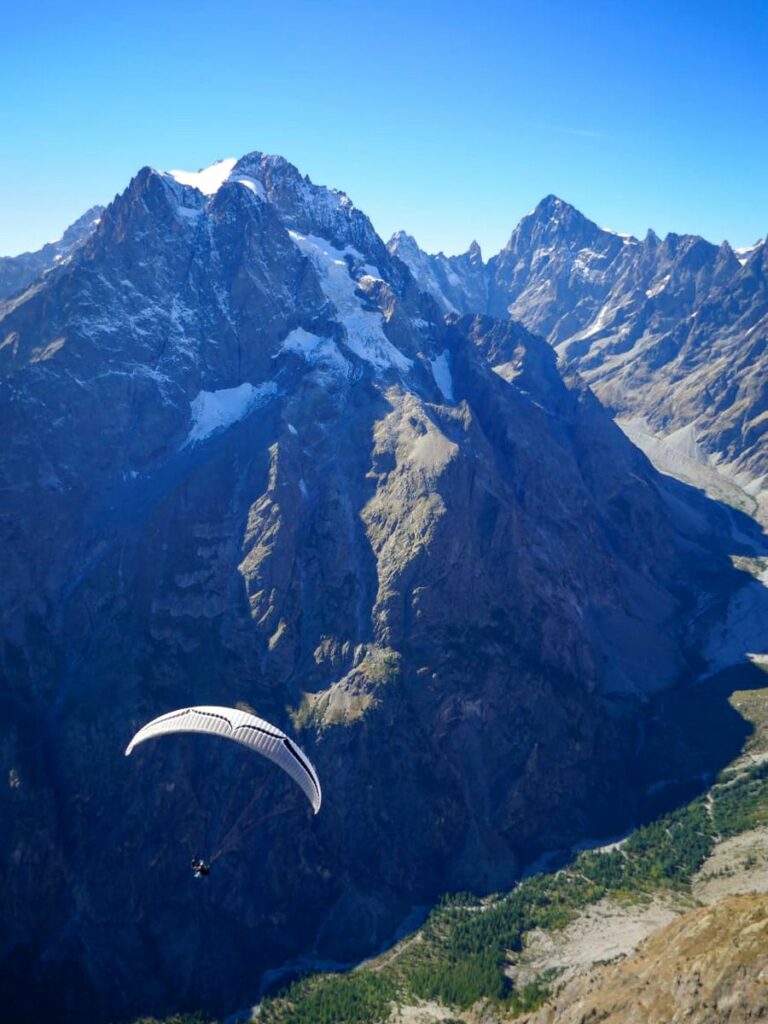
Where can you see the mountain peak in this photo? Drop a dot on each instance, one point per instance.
(304, 206)
(553, 214)
(553, 221)
(402, 238)
(83, 226)
(552, 205)
(260, 164)
(256, 166)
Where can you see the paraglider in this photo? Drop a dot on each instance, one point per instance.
(199, 868)
(243, 728)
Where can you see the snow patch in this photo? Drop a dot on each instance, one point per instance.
(213, 411)
(251, 184)
(364, 332)
(657, 288)
(315, 350)
(602, 320)
(626, 239)
(583, 265)
(743, 254)
(208, 180)
(441, 371)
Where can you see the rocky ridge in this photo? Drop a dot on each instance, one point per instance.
(18, 272)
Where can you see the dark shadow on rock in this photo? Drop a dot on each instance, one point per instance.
(691, 734)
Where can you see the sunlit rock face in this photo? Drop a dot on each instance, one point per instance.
(247, 460)
(707, 966)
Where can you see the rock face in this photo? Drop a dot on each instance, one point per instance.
(709, 967)
(673, 330)
(18, 272)
(248, 460)
(457, 283)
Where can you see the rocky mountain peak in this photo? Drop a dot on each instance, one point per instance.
(475, 253)
(17, 272)
(555, 212)
(403, 245)
(81, 228)
(651, 238)
(306, 207)
(552, 206)
(556, 225)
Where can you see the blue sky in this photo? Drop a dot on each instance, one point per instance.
(450, 120)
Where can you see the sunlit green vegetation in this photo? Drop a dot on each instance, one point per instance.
(363, 997)
(742, 804)
(465, 942)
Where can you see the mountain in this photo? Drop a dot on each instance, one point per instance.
(18, 272)
(457, 283)
(247, 460)
(670, 333)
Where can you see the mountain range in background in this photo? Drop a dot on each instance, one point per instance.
(670, 334)
(18, 272)
(249, 459)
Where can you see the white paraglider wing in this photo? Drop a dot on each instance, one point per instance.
(242, 727)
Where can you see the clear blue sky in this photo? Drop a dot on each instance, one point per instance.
(448, 119)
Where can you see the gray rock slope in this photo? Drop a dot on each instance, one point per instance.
(18, 272)
(247, 460)
(673, 330)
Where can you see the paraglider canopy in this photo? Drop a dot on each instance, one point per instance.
(243, 728)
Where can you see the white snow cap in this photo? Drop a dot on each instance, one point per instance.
(208, 180)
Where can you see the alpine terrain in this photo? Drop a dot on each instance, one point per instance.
(670, 333)
(255, 457)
